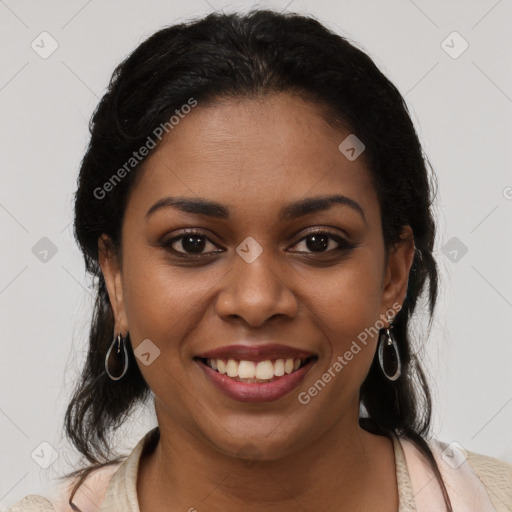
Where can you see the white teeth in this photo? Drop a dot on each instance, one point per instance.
(247, 370)
(221, 365)
(279, 368)
(232, 368)
(251, 370)
(264, 370)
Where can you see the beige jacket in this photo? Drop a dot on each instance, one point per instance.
(475, 483)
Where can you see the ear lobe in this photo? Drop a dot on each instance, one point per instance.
(110, 267)
(400, 259)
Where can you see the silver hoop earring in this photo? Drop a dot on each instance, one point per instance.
(116, 361)
(389, 356)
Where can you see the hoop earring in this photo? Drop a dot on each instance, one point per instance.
(389, 355)
(116, 363)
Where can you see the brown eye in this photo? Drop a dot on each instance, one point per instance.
(323, 241)
(191, 242)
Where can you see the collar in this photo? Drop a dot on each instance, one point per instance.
(121, 493)
(418, 489)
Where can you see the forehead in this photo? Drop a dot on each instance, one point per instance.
(253, 154)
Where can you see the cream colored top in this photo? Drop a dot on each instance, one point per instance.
(475, 483)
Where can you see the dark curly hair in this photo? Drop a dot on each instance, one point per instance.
(241, 56)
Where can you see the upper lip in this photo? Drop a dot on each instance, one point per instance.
(256, 352)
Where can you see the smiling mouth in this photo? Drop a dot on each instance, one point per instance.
(256, 371)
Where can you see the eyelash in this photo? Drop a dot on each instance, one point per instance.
(343, 245)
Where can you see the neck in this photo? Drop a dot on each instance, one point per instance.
(338, 470)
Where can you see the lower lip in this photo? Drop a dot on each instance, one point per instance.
(253, 391)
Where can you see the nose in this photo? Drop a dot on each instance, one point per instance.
(255, 292)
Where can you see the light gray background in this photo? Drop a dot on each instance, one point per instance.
(461, 107)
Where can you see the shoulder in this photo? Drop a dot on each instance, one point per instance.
(486, 466)
(90, 490)
(101, 481)
(491, 468)
(32, 503)
(495, 474)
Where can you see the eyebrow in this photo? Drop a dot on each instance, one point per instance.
(293, 210)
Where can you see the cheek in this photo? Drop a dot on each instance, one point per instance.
(163, 303)
(346, 309)
(347, 303)
(166, 306)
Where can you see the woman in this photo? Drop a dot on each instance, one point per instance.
(256, 208)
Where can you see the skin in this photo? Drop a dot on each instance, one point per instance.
(254, 156)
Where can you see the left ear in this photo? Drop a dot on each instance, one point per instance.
(396, 274)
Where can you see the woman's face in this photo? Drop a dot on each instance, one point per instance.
(253, 275)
